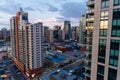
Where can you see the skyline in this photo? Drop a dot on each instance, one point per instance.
(52, 14)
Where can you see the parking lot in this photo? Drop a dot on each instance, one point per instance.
(8, 70)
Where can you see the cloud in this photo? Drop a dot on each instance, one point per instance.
(57, 21)
(4, 24)
(73, 9)
(7, 10)
(1, 17)
(59, 0)
(60, 19)
(29, 9)
(48, 22)
(50, 7)
(9, 7)
(12, 7)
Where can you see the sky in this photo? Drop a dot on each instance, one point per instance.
(50, 12)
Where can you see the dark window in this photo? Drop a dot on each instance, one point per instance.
(100, 77)
(100, 72)
(114, 52)
(116, 2)
(102, 50)
(112, 74)
(116, 23)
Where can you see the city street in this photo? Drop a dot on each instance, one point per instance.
(8, 68)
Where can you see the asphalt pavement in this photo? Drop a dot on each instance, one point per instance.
(9, 68)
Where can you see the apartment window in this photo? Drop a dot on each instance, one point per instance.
(103, 23)
(114, 52)
(100, 77)
(116, 2)
(103, 27)
(105, 4)
(104, 15)
(116, 23)
(100, 72)
(112, 74)
(102, 50)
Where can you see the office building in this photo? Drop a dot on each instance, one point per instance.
(30, 37)
(4, 32)
(56, 34)
(45, 32)
(74, 33)
(56, 27)
(67, 30)
(49, 36)
(106, 41)
(105, 62)
(14, 24)
(13, 36)
(61, 35)
(82, 30)
(89, 38)
(26, 41)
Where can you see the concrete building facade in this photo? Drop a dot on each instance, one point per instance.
(89, 38)
(56, 34)
(26, 41)
(45, 32)
(50, 35)
(105, 60)
(67, 29)
(82, 30)
(106, 41)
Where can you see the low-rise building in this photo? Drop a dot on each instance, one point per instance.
(53, 59)
(72, 71)
(63, 49)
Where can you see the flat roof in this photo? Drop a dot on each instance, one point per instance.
(59, 74)
(56, 58)
(73, 67)
(75, 53)
(62, 74)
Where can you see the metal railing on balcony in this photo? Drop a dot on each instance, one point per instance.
(90, 11)
(87, 59)
(90, 19)
(88, 51)
(90, 3)
(87, 74)
(88, 67)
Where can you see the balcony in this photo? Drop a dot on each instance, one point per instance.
(100, 74)
(90, 3)
(87, 59)
(86, 74)
(88, 52)
(87, 67)
(89, 43)
(90, 19)
(88, 36)
(91, 11)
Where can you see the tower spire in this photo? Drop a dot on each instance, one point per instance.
(21, 10)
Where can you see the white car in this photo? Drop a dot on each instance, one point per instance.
(18, 73)
(7, 71)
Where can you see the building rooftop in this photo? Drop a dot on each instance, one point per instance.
(56, 57)
(73, 67)
(62, 74)
(58, 74)
(75, 54)
(70, 72)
